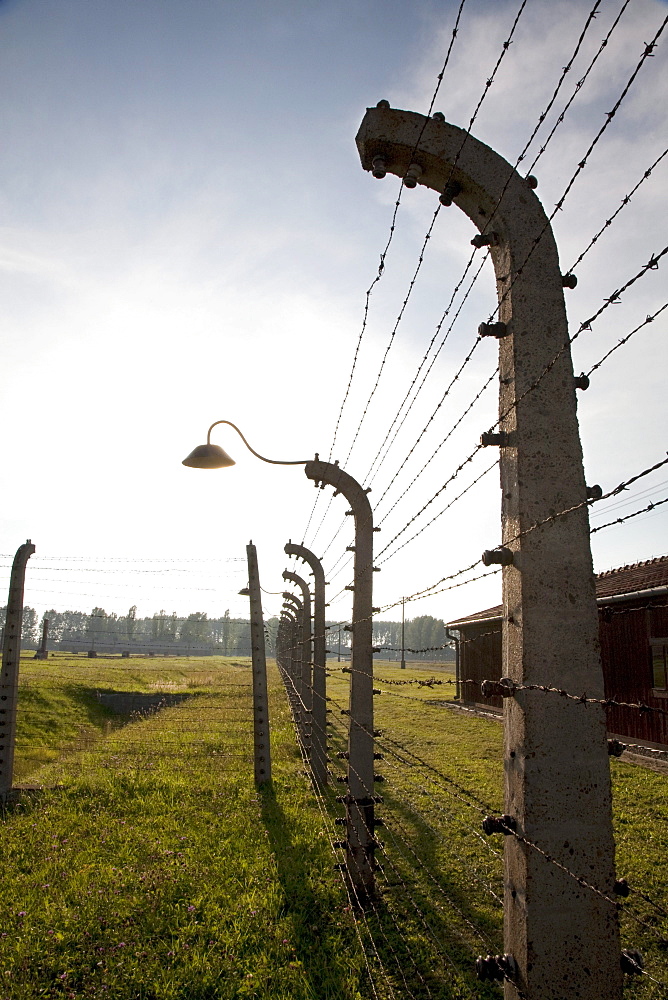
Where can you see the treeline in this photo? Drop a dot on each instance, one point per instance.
(424, 638)
(197, 634)
(77, 631)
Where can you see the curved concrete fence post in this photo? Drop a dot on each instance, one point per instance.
(11, 656)
(319, 688)
(563, 937)
(360, 799)
(288, 643)
(297, 608)
(306, 685)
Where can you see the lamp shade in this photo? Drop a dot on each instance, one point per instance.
(208, 456)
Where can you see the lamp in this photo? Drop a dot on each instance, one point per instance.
(212, 456)
(361, 775)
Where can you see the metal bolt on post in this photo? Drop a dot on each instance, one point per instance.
(9, 680)
(563, 937)
(319, 689)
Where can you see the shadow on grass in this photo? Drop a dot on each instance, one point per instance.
(312, 903)
(422, 891)
(54, 705)
(55, 723)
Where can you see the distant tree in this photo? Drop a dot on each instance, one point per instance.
(387, 634)
(196, 630)
(426, 633)
(95, 629)
(131, 623)
(164, 627)
(271, 632)
(241, 640)
(29, 627)
(225, 633)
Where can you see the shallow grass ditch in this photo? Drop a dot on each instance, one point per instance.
(151, 866)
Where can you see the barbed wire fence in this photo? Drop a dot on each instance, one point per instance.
(422, 802)
(471, 571)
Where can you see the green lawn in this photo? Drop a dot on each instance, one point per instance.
(151, 867)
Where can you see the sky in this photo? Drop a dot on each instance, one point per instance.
(187, 235)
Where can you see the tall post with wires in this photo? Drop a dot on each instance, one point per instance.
(293, 604)
(360, 798)
(561, 932)
(11, 654)
(262, 754)
(319, 686)
(305, 681)
(287, 645)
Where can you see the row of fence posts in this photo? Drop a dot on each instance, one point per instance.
(561, 939)
(301, 657)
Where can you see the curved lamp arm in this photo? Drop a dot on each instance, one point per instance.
(272, 461)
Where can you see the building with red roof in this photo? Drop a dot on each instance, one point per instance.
(633, 630)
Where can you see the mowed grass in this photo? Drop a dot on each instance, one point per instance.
(443, 772)
(58, 708)
(153, 868)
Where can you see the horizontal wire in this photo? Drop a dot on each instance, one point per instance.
(648, 51)
(580, 84)
(488, 84)
(648, 319)
(608, 222)
(381, 265)
(621, 520)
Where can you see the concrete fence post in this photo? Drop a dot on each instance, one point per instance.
(562, 937)
(319, 684)
(306, 683)
(287, 624)
(11, 656)
(280, 643)
(42, 653)
(293, 649)
(360, 799)
(284, 658)
(296, 659)
(261, 740)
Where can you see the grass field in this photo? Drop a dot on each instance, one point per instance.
(151, 867)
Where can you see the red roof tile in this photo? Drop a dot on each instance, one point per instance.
(637, 576)
(624, 580)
